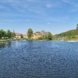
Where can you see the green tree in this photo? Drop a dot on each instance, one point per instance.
(40, 38)
(21, 36)
(30, 33)
(2, 33)
(49, 36)
(9, 34)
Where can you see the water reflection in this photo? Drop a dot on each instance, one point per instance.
(9, 44)
(2, 45)
(5, 44)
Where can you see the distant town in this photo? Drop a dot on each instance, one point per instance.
(8, 35)
(39, 35)
(35, 35)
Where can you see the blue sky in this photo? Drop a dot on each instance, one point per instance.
(55, 16)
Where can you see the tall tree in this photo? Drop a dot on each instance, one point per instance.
(2, 33)
(49, 36)
(30, 33)
(9, 34)
(21, 36)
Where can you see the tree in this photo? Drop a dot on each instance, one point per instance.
(2, 33)
(21, 36)
(30, 33)
(49, 36)
(9, 34)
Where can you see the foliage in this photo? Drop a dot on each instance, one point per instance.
(29, 39)
(46, 37)
(69, 34)
(40, 38)
(2, 33)
(9, 34)
(2, 40)
(21, 36)
(49, 36)
(30, 33)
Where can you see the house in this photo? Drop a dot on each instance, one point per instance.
(44, 33)
(17, 35)
(36, 35)
(25, 36)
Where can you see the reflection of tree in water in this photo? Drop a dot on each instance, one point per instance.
(2, 45)
(9, 44)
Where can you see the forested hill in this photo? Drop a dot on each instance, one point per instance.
(71, 34)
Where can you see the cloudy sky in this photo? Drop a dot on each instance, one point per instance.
(55, 16)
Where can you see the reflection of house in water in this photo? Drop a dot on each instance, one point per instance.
(2, 45)
(37, 35)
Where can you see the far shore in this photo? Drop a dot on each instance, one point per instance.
(6, 40)
(72, 41)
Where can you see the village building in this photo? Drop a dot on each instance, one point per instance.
(25, 36)
(36, 35)
(17, 35)
(44, 33)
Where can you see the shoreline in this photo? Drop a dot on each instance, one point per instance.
(4, 40)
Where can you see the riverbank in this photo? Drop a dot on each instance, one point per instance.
(2, 40)
(65, 40)
(6, 40)
(72, 41)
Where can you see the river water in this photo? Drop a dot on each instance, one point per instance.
(43, 59)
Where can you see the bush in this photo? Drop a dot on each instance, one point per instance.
(29, 39)
(40, 38)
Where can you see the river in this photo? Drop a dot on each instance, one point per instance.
(38, 59)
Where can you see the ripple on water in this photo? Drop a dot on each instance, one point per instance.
(39, 60)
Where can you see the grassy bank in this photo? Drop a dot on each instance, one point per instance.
(2, 40)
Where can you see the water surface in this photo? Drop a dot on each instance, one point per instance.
(38, 60)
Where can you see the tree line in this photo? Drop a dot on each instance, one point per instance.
(6, 34)
(9, 34)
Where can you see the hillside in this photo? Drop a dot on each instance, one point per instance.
(68, 35)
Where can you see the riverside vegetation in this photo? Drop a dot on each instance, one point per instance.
(65, 36)
(9, 35)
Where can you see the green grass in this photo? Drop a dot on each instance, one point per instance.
(2, 40)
